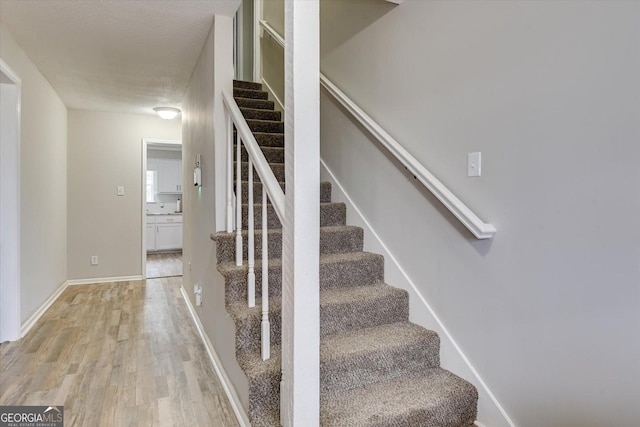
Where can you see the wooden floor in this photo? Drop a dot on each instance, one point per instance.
(164, 265)
(117, 354)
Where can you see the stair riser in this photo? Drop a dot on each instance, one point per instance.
(337, 375)
(332, 275)
(271, 154)
(265, 390)
(266, 126)
(330, 214)
(240, 84)
(334, 318)
(250, 113)
(276, 168)
(325, 191)
(265, 139)
(381, 365)
(259, 104)
(249, 93)
(349, 240)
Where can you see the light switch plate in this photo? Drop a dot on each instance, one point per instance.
(94, 259)
(474, 164)
(120, 190)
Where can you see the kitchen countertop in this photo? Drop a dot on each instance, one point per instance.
(161, 214)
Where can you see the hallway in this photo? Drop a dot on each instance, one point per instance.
(117, 354)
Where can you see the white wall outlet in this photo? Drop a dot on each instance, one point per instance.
(120, 190)
(474, 164)
(94, 259)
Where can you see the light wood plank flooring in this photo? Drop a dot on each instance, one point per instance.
(117, 354)
(164, 265)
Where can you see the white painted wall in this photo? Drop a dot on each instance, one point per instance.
(105, 152)
(548, 312)
(201, 109)
(272, 53)
(43, 181)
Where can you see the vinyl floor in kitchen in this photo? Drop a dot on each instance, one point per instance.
(117, 354)
(164, 265)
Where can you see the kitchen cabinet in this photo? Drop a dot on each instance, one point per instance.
(169, 176)
(164, 232)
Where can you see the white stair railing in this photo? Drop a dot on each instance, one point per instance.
(270, 191)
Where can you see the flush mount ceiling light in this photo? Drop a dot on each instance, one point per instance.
(167, 113)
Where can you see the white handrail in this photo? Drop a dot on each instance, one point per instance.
(260, 164)
(479, 228)
(272, 32)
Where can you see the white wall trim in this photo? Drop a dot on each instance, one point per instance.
(26, 326)
(443, 331)
(100, 280)
(228, 387)
(273, 94)
(10, 291)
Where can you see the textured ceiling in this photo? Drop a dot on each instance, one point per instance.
(114, 55)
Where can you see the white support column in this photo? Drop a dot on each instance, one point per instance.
(257, 53)
(300, 294)
(214, 170)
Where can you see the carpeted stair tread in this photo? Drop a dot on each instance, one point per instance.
(242, 84)
(330, 214)
(365, 349)
(268, 126)
(325, 191)
(341, 310)
(333, 239)
(267, 139)
(276, 168)
(271, 154)
(431, 398)
(252, 113)
(249, 93)
(256, 104)
(336, 270)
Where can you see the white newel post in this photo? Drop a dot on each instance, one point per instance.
(300, 392)
(215, 171)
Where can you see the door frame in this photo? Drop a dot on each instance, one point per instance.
(10, 301)
(143, 192)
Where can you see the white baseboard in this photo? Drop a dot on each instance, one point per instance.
(96, 280)
(497, 412)
(228, 387)
(26, 326)
(279, 103)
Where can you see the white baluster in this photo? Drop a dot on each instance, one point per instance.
(251, 276)
(239, 203)
(229, 173)
(266, 331)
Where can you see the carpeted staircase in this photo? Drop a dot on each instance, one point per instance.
(376, 368)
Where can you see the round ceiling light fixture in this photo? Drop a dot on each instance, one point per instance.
(167, 113)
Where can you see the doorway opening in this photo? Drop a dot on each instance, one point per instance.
(162, 184)
(10, 93)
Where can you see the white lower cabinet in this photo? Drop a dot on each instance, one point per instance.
(164, 232)
(151, 236)
(168, 236)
